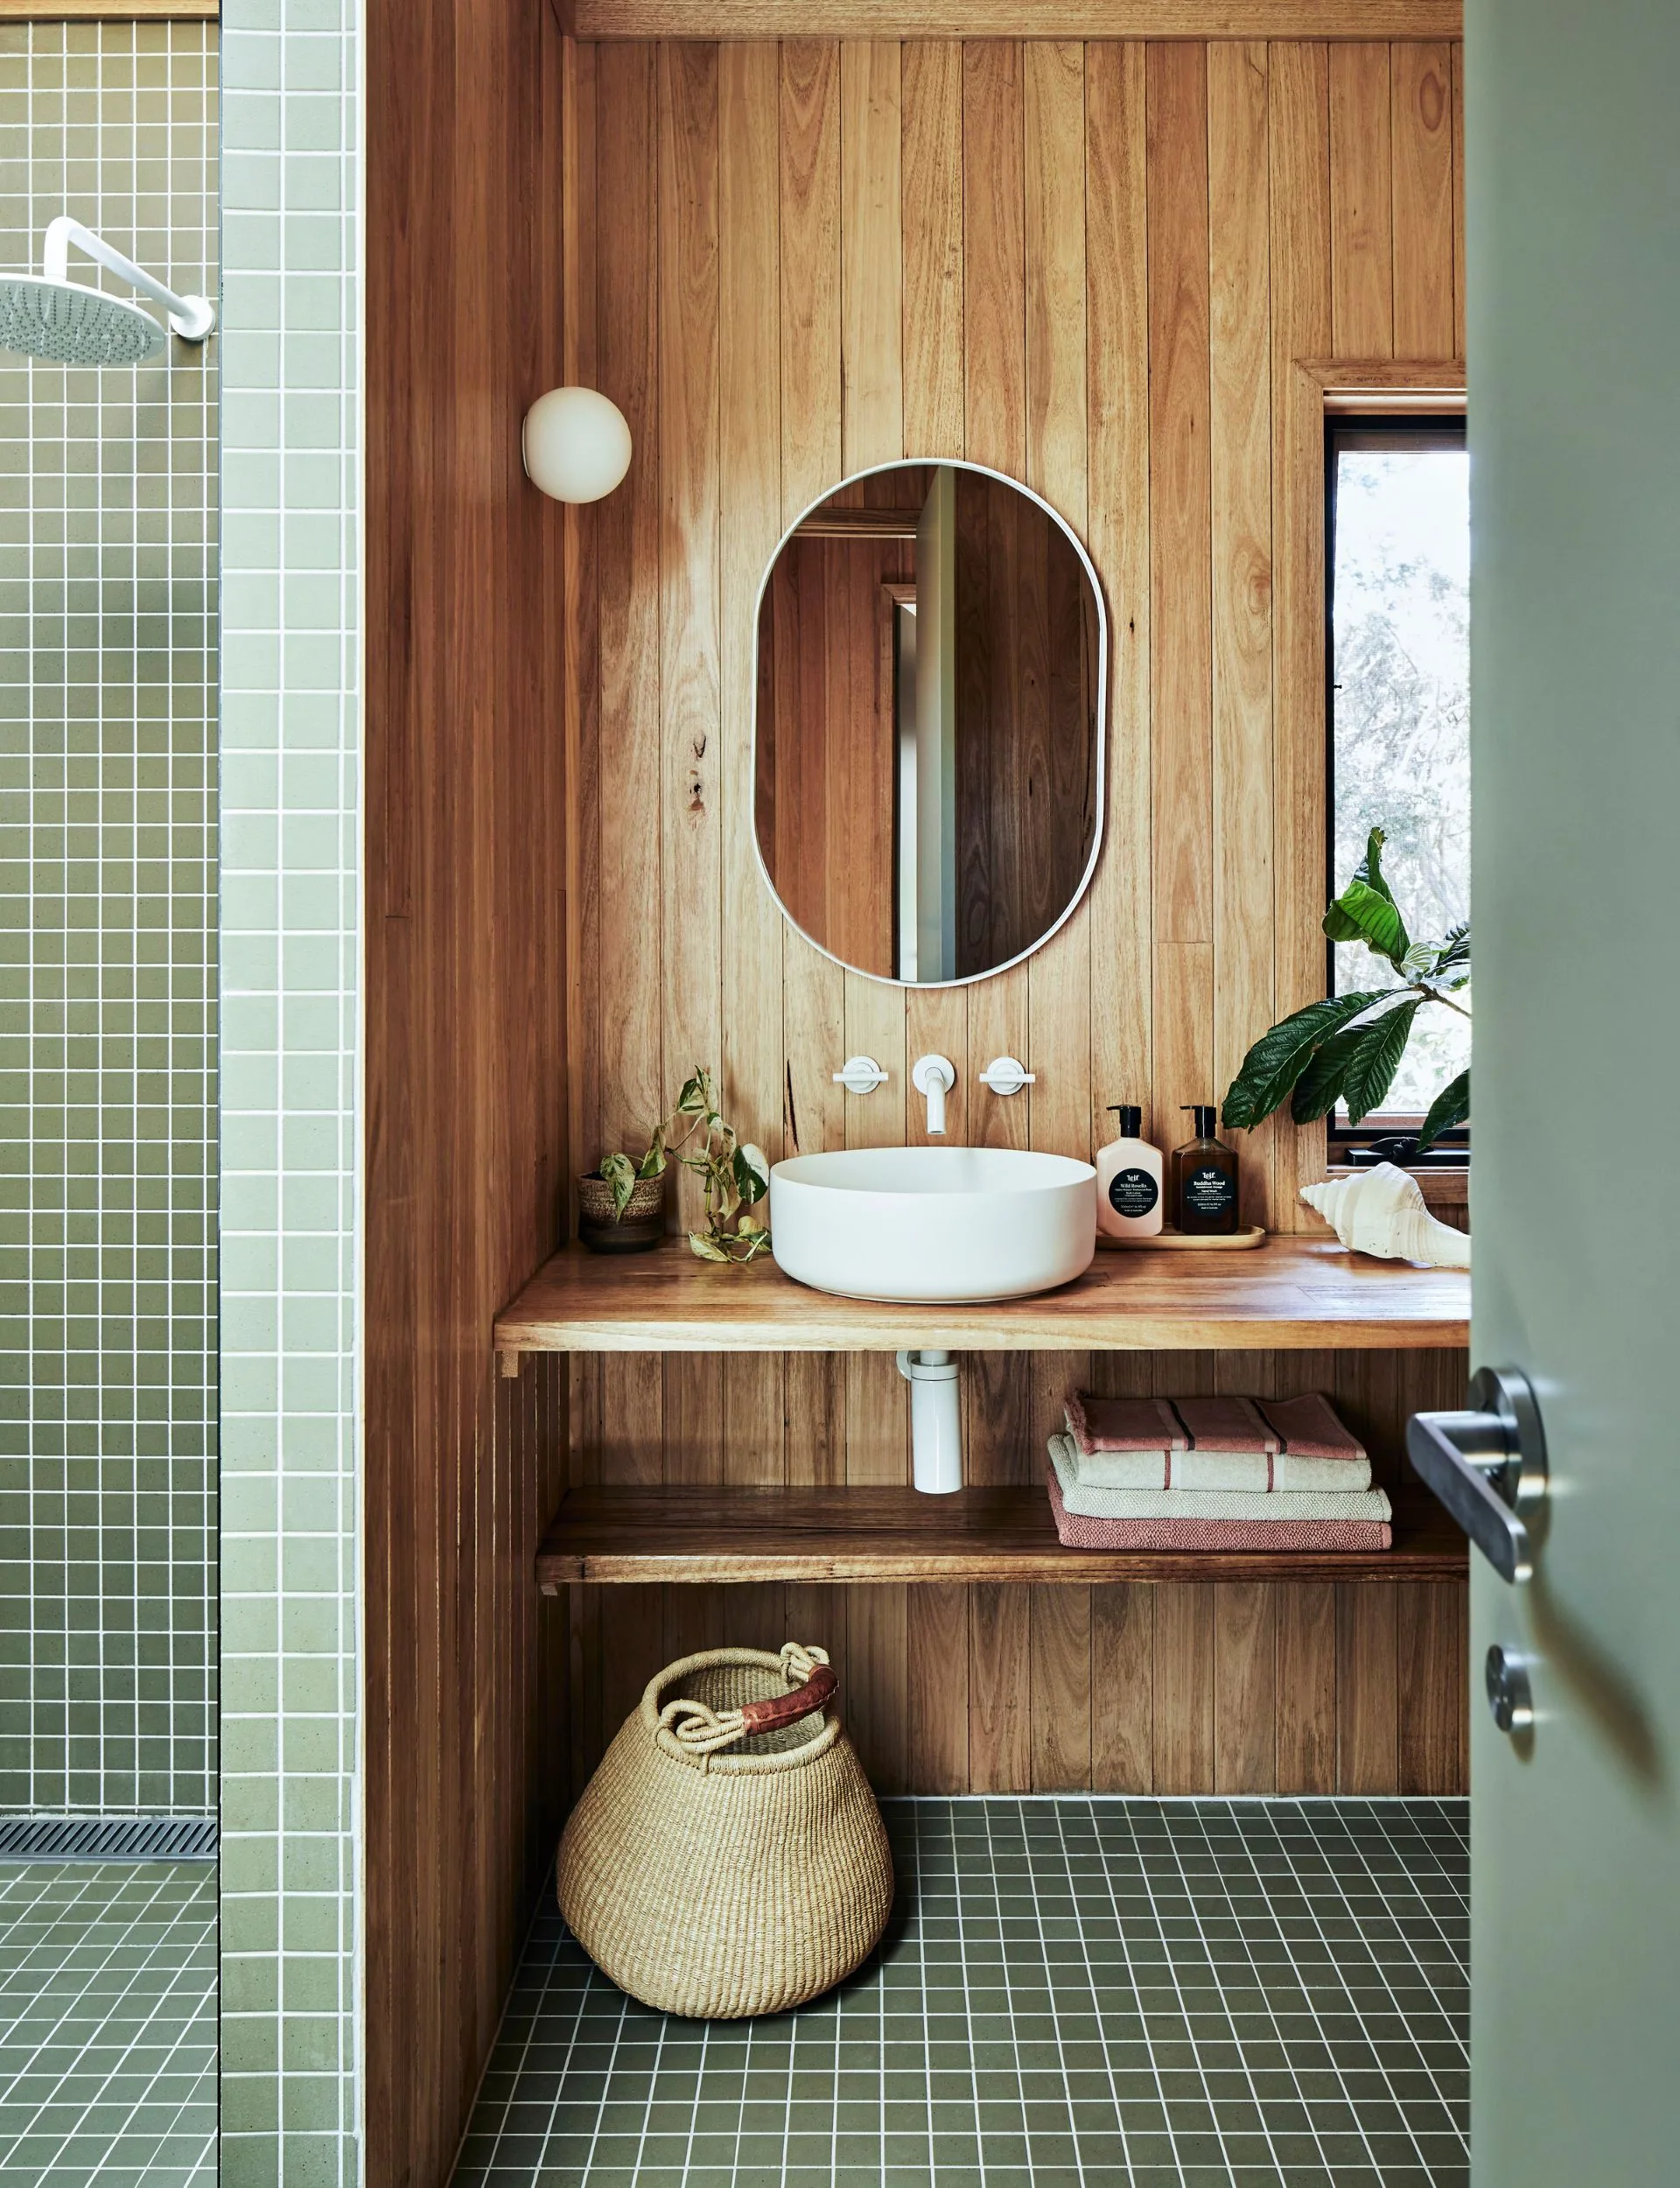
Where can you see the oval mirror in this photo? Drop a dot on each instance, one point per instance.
(928, 746)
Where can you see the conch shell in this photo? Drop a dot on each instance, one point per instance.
(1382, 1211)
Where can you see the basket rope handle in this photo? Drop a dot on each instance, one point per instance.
(703, 1731)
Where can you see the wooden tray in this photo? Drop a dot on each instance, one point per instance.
(1229, 1242)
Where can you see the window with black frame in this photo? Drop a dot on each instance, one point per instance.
(1397, 567)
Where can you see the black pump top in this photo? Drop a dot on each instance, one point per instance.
(1131, 1118)
(1207, 1117)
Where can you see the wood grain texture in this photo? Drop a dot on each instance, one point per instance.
(1245, 1688)
(872, 262)
(1060, 1623)
(467, 997)
(1298, 125)
(1117, 919)
(1180, 634)
(994, 371)
(812, 424)
(1290, 1295)
(1361, 202)
(1058, 454)
(1306, 1688)
(1240, 462)
(1000, 1690)
(1368, 1703)
(931, 113)
(1458, 201)
(1016, 19)
(1123, 1684)
(1421, 79)
(689, 674)
(862, 1533)
(1031, 320)
(750, 517)
(1183, 1730)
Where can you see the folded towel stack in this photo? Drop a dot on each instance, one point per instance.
(1212, 1474)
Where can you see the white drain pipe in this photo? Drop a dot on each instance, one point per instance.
(935, 1422)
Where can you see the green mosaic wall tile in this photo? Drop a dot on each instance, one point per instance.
(290, 787)
(108, 916)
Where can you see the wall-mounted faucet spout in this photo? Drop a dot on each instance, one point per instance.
(934, 1077)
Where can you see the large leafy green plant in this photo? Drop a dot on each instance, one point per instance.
(1348, 1047)
(735, 1174)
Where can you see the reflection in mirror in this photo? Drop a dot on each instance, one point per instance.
(928, 767)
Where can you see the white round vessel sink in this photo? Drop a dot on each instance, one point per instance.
(932, 1223)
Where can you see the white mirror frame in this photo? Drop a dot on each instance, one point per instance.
(852, 479)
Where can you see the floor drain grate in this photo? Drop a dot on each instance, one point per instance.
(108, 1838)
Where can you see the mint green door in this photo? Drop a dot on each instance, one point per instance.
(1573, 143)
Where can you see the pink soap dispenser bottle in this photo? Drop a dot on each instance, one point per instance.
(1129, 1180)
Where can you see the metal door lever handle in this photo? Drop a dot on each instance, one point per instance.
(1488, 1466)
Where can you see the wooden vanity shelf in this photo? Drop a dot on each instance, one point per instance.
(863, 1534)
(1293, 1294)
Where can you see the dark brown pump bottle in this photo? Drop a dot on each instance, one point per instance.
(1204, 1179)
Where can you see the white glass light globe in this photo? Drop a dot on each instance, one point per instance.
(575, 444)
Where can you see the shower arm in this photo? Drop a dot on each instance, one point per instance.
(192, 318)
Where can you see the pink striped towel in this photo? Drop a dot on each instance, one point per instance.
(1308, 1427)
(1124, 1424)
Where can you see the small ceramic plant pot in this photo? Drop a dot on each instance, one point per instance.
(641, 1227)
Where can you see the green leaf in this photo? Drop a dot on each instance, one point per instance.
(1451, 1106)
(1372, 1066)
(620, 1173)
(1361, 914)
(748, 1183)
(1278, 1058)
(1319, 1088)
(1369, 869)
(1453, 952)
(708, 1249)
(653, 1163)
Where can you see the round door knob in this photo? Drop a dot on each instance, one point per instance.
(1509, 1695)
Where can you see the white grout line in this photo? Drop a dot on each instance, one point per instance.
(112, 1910)
(1135, 1846)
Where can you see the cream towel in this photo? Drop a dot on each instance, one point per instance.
(1216, 1470)
(1101, 1502)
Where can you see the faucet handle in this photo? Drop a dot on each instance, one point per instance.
(862, 1075)
(1007, 1075)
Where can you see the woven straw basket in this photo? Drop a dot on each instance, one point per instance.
(727, 1858)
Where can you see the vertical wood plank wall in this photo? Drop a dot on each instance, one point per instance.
(1091, 266)
(466, 1158)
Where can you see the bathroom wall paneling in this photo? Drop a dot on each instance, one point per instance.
(1097, 266)
(467, 731)
(1036, 19)
(1192, 1686)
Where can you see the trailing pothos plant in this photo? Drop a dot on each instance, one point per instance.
(1348, 1047)
(735, 1174)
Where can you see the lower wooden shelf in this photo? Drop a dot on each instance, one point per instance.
(860, 1535)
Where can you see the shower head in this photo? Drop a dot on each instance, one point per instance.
(71, 325)
(49, 315)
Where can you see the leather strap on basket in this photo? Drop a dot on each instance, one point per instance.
(703, 1731)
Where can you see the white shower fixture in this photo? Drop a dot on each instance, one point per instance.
(49, 315)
